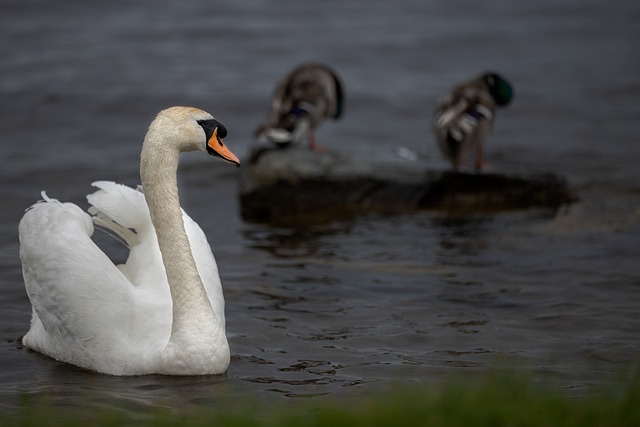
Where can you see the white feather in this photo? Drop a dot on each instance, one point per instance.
(124, 320)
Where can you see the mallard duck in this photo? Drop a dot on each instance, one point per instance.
(304, 98)
(464, 117)
(162, 312)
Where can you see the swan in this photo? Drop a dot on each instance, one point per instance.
(304, 98)
(464, 117)
(162, 312)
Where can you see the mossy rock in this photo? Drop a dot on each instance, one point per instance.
(282, 184)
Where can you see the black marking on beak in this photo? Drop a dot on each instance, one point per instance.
(210, 125)
(214, 132)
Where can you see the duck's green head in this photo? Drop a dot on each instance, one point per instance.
(500, 89)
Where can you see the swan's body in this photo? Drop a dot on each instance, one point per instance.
(162, 312)
(304, 98)
(464, 117)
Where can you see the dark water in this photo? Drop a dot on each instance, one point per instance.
(347, 307)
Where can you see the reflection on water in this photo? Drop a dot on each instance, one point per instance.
(63, 386)
(294, 242)
(462, 237)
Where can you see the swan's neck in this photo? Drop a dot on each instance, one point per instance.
(195, 327)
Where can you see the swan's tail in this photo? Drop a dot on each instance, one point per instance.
(119, 210)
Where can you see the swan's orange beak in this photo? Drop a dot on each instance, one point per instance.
(216, 147)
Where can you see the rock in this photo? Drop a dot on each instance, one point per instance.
(282, 184)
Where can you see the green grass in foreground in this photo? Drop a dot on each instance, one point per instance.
(494, 401)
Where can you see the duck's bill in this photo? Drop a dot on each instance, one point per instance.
(216, 147)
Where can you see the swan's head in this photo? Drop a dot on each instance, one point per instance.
(192, 129)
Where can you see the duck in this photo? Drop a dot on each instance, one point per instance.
(162, 311)
(304, 98)
(464, 117)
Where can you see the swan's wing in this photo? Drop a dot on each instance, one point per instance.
(118, 207)
(83, 305)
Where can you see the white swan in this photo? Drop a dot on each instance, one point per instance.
(160, 313)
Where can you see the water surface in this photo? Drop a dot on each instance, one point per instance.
(349, 306)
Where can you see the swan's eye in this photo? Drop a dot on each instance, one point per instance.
(210, 125)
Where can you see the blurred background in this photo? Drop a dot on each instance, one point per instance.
(353, 305)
